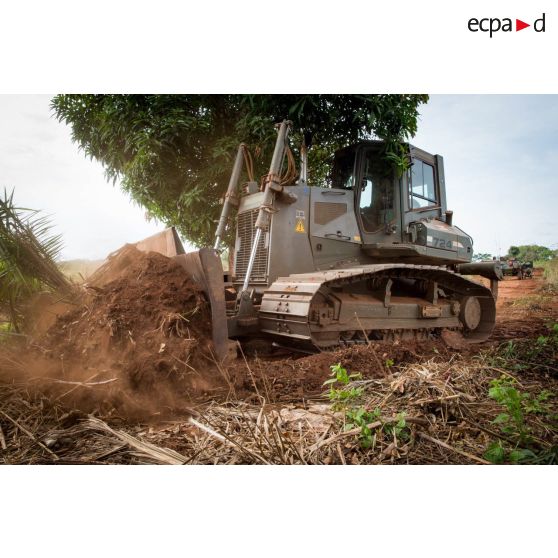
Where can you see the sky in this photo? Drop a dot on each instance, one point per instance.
(48, 172)
(501, 165)
(500, 154)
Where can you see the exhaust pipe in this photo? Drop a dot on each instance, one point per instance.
(306, 144)
(303, 163)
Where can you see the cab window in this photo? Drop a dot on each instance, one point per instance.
(343, 173)
(376, 195)
(422, 188)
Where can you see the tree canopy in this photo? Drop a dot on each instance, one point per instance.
(531, 253)
(173, 153)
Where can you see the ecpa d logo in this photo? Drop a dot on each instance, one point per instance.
(493, 25)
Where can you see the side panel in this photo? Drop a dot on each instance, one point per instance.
(289, 244)
(334, 232)
(284, 247)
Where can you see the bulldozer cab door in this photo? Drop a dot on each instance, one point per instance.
(377, 198)
(332, 216)
(423, 188)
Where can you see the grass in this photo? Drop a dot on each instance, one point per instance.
(550, 271)
(5, 329)
(526, 415)
(532, 302)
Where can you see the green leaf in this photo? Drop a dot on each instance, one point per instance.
(501, 418)
(366, 443)
(495, 453)
(518, 455)
(28, 253)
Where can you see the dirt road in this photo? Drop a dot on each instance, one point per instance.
(523, 308)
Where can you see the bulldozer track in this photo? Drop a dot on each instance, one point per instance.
(346, 306)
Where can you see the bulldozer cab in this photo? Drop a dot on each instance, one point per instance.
(377, 198)
(396, 214)
(385, 203)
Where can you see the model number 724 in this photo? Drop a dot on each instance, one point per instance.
(441, 243)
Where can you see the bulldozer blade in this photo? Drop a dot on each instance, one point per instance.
(205, 267)
(167, 243)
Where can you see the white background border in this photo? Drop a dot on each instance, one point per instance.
(264, 47)
(272, 47)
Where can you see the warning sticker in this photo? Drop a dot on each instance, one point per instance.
(300, 226)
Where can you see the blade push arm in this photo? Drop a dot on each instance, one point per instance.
(272, 185)
(231, 197)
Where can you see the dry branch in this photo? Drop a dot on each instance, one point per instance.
(2, 439)
(160, 455)
(29, 434)
(372, 426)
(447, 446)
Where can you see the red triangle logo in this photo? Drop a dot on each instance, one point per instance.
(519, 25)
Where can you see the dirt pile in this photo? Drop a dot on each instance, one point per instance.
(142, 326)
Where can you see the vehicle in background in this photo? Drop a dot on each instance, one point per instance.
(514, 268)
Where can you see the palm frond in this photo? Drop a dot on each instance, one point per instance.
(28, 253)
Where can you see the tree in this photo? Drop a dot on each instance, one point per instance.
(513, 252)
(173, 153)
(482, 257)
(27, 258)
(531, 253)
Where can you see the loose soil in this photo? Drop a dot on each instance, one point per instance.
(139, 327)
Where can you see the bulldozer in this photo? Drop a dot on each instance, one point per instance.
(372, 255)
